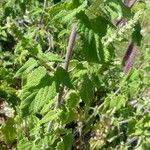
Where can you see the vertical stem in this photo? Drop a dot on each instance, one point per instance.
(128, 58)
(130, 62)
(67, 60)
(66, 65)
(128, 53)
(70, 47)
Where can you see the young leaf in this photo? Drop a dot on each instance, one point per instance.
(27, 67)
(72, 99)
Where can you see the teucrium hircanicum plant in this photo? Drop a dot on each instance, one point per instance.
(81, 99)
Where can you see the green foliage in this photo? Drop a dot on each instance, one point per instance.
(62, 77)
(72, 99)
(101, 108)
(27, 67)
(38, 90)
(8, 131)
(86, 90)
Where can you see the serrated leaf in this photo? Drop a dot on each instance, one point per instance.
(66, 16)
(51, 115)
(27, 67)
(38, 91)
(24, 144)
(110, 10)
(49, 57)
(94, 10)
(91, 33)
(35, 77)
(37, 98)
(40, 98)
(47, 106)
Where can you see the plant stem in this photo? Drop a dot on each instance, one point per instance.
(66, 65)
(128, 58)
(70, 47)
(130, 62)
(67, 60)
(128, 53)
(129, 3)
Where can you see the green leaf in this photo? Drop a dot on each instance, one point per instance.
(53, 57)
(118, 102)
(38, 91)
(133, 75)
(91, 33)
(27, 67)
(145, 144)
(66, 143)
(94, 10)
(48, 57)
(136, 35)
(60, 146)
(67, 116)
(33, 101)
(79, 70)
(24, 144)
(86, 90)
(66, 16)
(62, 77)
(35, 77)
(68, 140)
(72, 99)
(47, 107)
(51, 115)
(110, 9)
(8, 130)
(134, 87)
